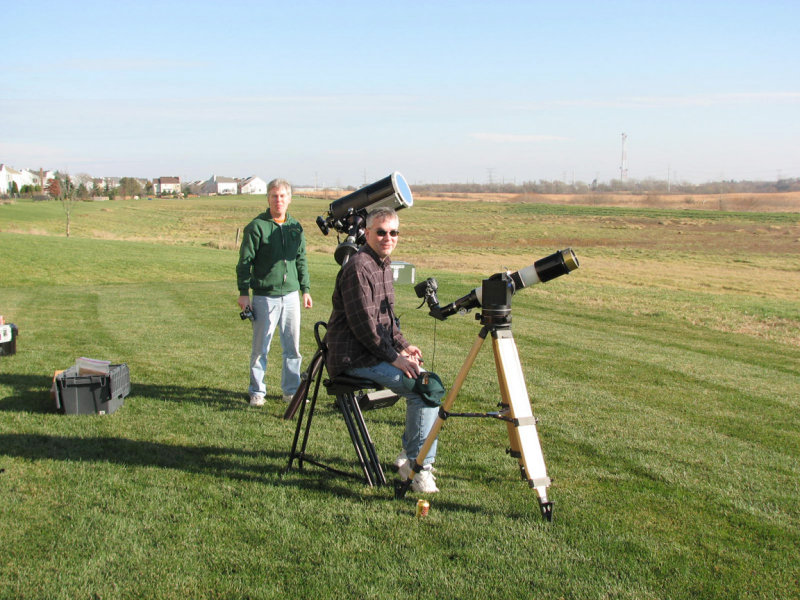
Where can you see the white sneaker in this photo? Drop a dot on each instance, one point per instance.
(401, 459)
(424, 482)
(288, 397)
(256, 400)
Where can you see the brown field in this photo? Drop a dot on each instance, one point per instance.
(747, 202)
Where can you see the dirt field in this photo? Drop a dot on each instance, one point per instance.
(788, 202)
(775, 202)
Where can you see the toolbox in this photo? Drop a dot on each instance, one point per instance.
(92, 394)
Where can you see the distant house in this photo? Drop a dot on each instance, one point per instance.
(253, 185)
(10, 176)
(167, 185)
(220, 186)
(7, 177)
(194, 187)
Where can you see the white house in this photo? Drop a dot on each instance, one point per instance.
(9, 176)
(254, 185)
(167, 185)
(220, 186)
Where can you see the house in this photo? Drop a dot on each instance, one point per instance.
(253, 185)
(9, 176)
(167, 185)
(220, 186)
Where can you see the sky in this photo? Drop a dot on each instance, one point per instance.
(344, 93)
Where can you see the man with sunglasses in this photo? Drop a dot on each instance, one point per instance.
(364, 338)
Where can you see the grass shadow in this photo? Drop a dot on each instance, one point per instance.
(31, 394)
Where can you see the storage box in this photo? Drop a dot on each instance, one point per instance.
(8, 339)
(92, 394)
(403, 272)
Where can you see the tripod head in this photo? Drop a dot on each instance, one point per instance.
(495, 293)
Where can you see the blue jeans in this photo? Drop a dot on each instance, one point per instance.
(270, 312)
(419, 416)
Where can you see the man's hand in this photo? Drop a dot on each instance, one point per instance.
(307, 302)
(408, 365)
(412, 352)
(244, 302)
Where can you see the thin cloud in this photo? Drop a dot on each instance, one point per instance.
(516, 138)
(700, 100)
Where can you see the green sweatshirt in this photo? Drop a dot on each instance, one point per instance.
(272, 258)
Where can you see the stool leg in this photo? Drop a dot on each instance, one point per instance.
(345, 403)
(374, 462)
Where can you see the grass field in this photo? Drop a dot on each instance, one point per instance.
(665, 373)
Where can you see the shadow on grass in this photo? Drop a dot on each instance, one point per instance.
(267, 467)
(231, 463)
(31, 393)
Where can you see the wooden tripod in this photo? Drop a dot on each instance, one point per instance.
(516, 412)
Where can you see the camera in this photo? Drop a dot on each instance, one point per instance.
(427, 291)
(348, 214)
(247, 313)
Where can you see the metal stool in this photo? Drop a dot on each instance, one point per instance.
(353, 396)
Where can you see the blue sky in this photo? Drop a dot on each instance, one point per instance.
(343, 93)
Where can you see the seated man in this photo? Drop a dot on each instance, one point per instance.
(364, 339)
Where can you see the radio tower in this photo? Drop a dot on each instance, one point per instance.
(623, 165)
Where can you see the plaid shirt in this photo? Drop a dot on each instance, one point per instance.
(362, 330)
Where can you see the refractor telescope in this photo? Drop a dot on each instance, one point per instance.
(495, 293)
(348, 214)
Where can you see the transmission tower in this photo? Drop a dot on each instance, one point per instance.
(623, 165)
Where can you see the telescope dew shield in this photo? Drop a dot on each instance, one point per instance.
(547, 268)
(392, 191)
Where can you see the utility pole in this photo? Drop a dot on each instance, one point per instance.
(623, 165)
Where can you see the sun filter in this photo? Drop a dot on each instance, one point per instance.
(392, 191)
(547, 268)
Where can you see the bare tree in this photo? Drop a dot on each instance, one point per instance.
(68, 198)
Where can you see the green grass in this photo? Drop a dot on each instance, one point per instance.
(666, 378)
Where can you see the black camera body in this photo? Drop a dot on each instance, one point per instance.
(247, 313)
(427, 291)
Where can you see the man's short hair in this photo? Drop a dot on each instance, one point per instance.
(279, 183)
(382, 213)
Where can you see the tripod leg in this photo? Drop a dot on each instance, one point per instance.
(401, 487)
(522, 432)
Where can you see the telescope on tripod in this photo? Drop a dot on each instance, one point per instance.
(494, 299)
(348, 215)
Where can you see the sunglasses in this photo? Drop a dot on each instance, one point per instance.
(383, 232)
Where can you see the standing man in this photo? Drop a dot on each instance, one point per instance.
(364, 339)
(272, 262)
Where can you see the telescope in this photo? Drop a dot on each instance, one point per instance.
(495, 293)
(348, 214)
